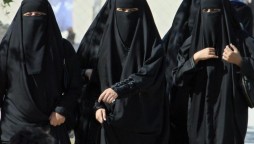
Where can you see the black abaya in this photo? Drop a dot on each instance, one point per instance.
(218, 112)
(180, 30)
(34, 57)
(134, 69)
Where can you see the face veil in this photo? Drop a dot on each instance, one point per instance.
(126, 21)
(211, 22)
(34, 31)
(211, 28)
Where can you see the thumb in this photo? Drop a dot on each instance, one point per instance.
(234, 48)
(103, 115)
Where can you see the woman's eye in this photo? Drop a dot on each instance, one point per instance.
(205, 10)
(27, 14)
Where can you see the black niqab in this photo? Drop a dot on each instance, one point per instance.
(211, 23)
(34, 33)
(127, 21)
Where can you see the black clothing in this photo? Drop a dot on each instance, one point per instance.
(33, 61)
(134, 69)
(180, 30)
(88, 129)
(218, 113)
(244, 15)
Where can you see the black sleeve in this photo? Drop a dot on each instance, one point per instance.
(149, 74)
(247, 65)
(72, 89)
(186, 68)
(3, 65)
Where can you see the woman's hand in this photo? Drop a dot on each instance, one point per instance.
(204, 54)
(232, 55)
(108, 96)
(100, 115)
(56, 119)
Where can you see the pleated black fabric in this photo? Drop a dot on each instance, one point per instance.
(218, 112)
(131, 63)
(180, 30)
(32, 66)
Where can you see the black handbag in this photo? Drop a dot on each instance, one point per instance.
(248, 90)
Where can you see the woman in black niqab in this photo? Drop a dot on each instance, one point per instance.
(130, 64)
(209, 65)
(32, 66)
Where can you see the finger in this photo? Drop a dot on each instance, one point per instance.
(211, 53)
(101, 97)
(53, 123)
(227, 49)
(225, 58)
(100, 118)
(112, 100)
(211, 49)
(225, 53)
(108, 100)
(106, 97)
(104, 115)
(213, 56)
(234, 47)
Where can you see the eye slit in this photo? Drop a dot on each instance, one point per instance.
(127, 9)
(205, 10)
(119, 9)
(39, 14)
(34, 14)
(27, 14)
(211, 10)
(133, 9)
(215, 10)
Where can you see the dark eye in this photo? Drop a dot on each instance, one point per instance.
(27, 14)
(215, 10)
(205, 10)
(119, 9)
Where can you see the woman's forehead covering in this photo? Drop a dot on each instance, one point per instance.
(211, 4)
(34, 5)
(127, 3)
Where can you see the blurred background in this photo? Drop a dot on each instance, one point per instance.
(83, 13)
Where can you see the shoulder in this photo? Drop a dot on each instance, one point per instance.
(68, 48)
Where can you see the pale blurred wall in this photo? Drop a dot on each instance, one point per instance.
(163, 12)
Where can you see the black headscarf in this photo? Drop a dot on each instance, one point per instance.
(34, 34)
(129, 62)
(29, 37)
